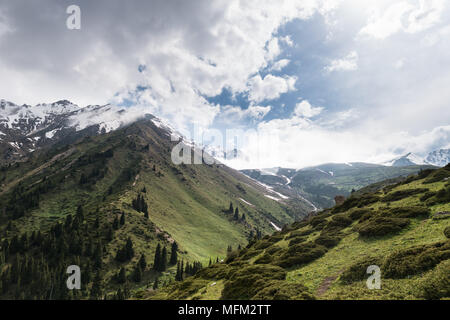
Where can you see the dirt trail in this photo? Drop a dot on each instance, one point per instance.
(326, 283)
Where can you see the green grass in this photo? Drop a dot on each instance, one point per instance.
(322, 275)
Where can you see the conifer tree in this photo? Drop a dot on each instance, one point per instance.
(80, 214)
(116, 223)
(178, 275)
(173, 254)
(129, 249)
(96, 290)
(231, 209)
(137, 274)
(157, 260)
(121, 276)
(164, 259)
(142, 262)
(97, 223)
(236, 214)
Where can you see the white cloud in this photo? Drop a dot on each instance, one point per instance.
(437, 36)
(190, 50)
(349, 63)
(303, 143)
(269, 88)
(235, 114)
(280, 64)
(304, 109)
(287, 40)
(4, 25)
(399, 64)
(273, 49)
(407, 16)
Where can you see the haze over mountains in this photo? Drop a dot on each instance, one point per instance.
(26, 128)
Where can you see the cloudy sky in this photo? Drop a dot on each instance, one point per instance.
(308, 81)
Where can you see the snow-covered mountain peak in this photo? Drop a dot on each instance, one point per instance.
(439, 157)
(408, 159)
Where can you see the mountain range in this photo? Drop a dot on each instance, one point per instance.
(321, 184)
(96, 187)
(69, 177)
(438, 158)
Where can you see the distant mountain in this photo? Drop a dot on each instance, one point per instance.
(25, 128)
(439, 158)
(320, 184)
(409, 159)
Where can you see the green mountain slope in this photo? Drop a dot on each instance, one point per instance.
(62, 205)
(404, 229)
(320, 184)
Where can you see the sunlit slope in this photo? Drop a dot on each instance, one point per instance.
(404, 229)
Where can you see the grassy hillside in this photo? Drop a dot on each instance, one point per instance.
(102, 176)
(402, 228)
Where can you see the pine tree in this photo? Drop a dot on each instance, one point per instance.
(96, 290)
(98, 256)
(236, 214)
(121, 276)
(137, 274)
(231, 209)
(120, 295)
(173, 254)
(122, 219)
(129, 251)
(83, 179)
(164, 259)
(142, 262)
(157, 260)
(97, 223)
(109, 234)
(116, 223)
(178, 275)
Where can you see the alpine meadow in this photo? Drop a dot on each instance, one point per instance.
(218, 152)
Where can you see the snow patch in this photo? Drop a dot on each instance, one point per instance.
(270, 197)
(51, 134)
(246, 202)
(275, 226)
